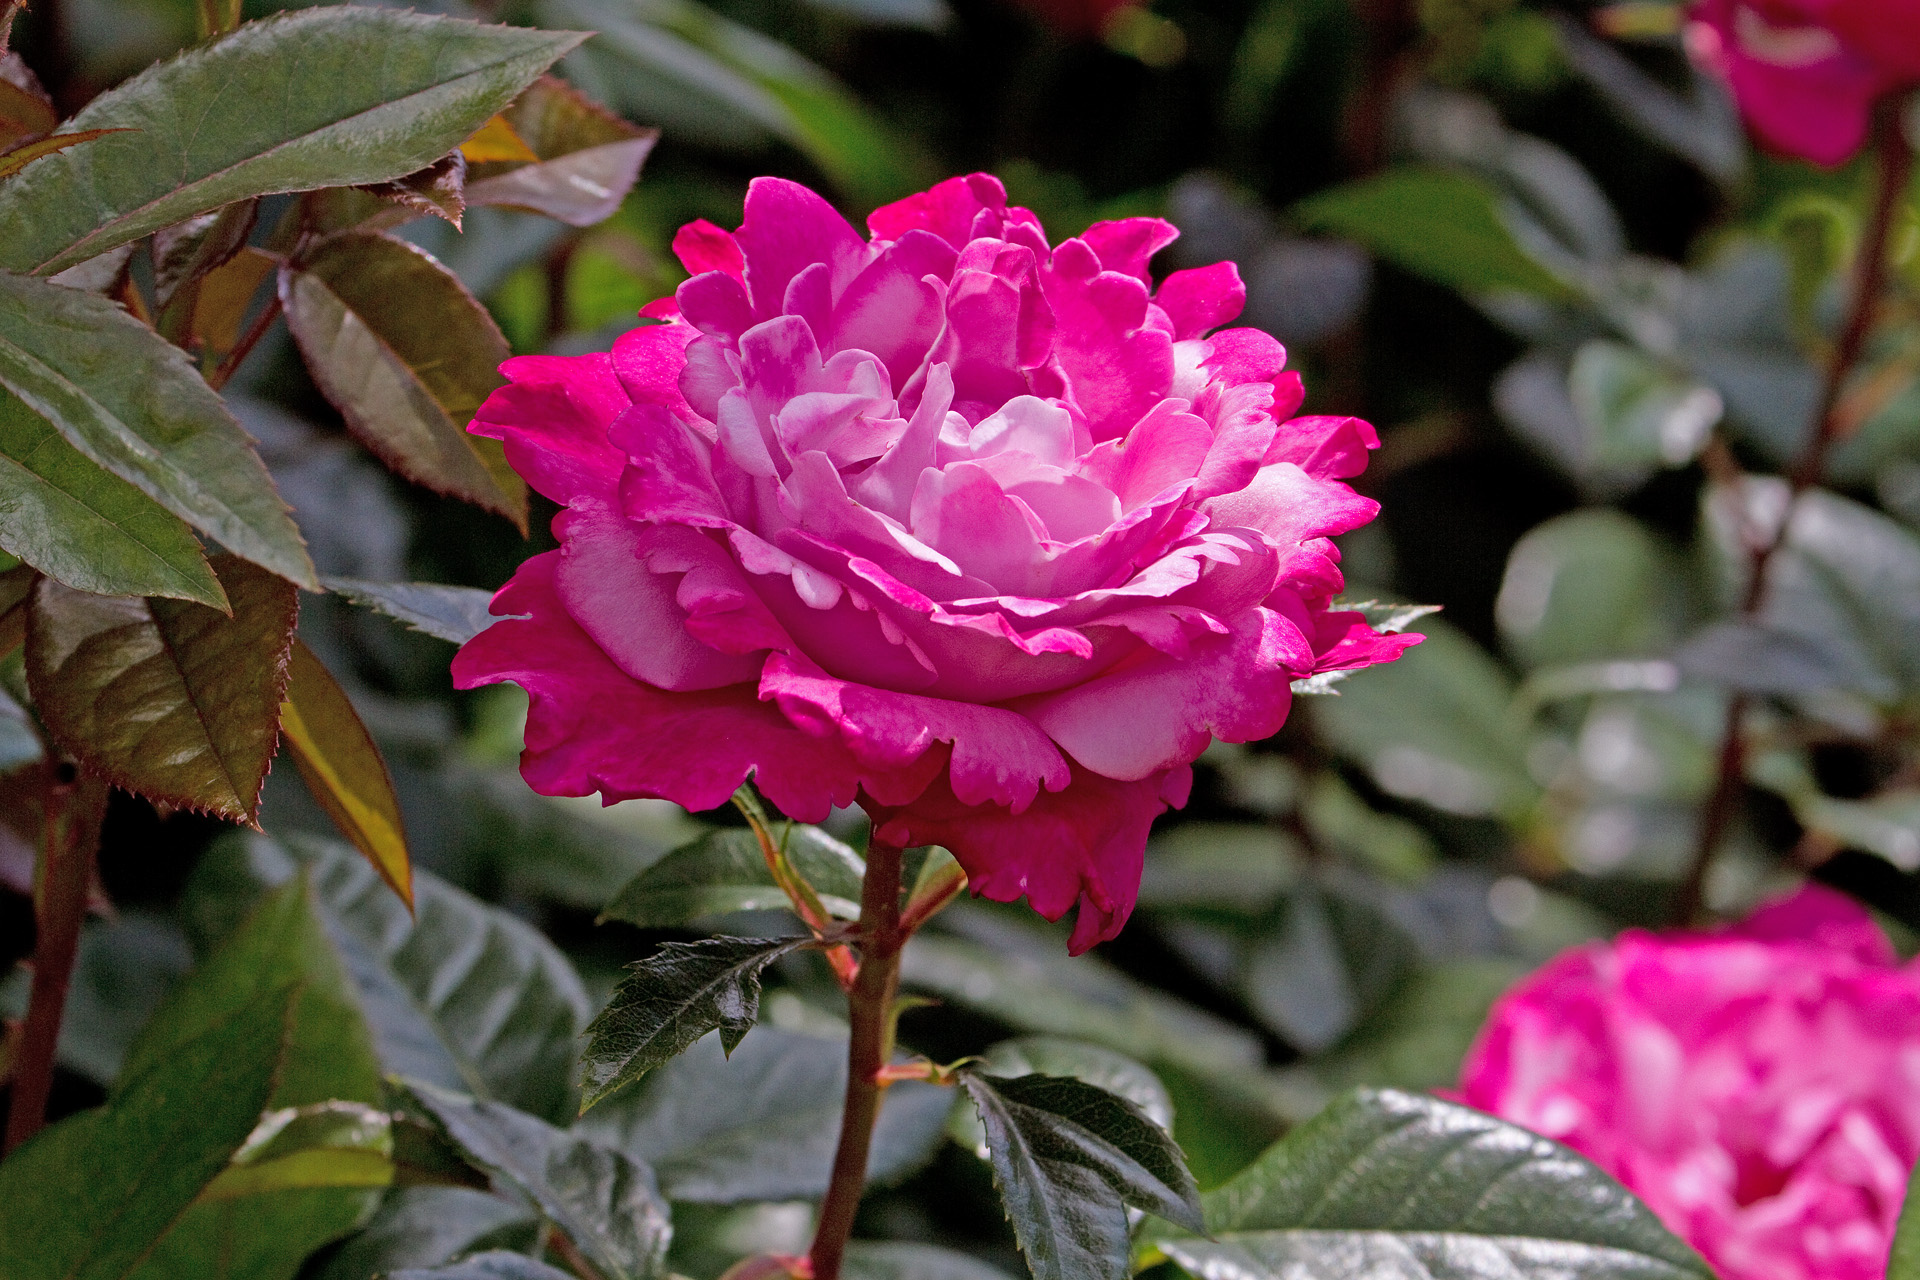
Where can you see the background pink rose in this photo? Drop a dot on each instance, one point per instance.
(990, 537)
(1807, 72)
(1759, 1087)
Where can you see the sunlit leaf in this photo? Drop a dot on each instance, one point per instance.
(333, 97)
(343, 768)
(134, 404)
(671, 999)
(496, 140)
(88, 1198)
(406, 354)
(172, 700)
(1068, 1158)
(587, 157)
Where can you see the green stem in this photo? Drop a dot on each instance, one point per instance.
(74, 805)
(1870, 275)
(871, 1011)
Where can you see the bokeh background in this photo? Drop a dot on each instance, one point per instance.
(1530, 243)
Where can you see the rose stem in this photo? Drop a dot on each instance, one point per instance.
(74, 805)
(1870, 272)
(870, 1007)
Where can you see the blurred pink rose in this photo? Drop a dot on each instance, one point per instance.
(988, 537)
(1759, 1087)
(1807, 73)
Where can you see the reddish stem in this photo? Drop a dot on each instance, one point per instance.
(73, 806)
(231, 362)
(1870, 275)
(870, 1007)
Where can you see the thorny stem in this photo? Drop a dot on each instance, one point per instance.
(1870, 273)
(69, 835)
(872, 1014)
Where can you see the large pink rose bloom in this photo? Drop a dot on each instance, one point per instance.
(1758, 1087)
(1807, 73)
(987, 537)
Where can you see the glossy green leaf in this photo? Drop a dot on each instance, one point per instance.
(761, 1123)
(725, 870)
(1067, 1159)
(89, 1197)
(169, 699)
(406, 354)
(464, 995)
(343, 768)
(93, 531)
(134, 404)
(424, 1227)
(1435, 223)
(321, 1145)
(332, 97)
(1434, 725)
(605, 1201)
(495, 1264)
(450, 613)
(587, 158)
(671, 999)
(1058, 1056)
(1383, 1180)
(874, 1260)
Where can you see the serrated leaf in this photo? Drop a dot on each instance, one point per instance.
(450, 613)
(725, 870)
(93, 531)
(761, 1124)
(495, 1264)
(585, 158)
(1435, 223)
(12, 162)
(874, 1260)
(169, 699)
(185, 252)
(406, 354)
(605, 1201)
(462, 995)
(671, 999)
(333, 97)
(1383, 1178)
(132, 402)
(439, 190)
(87, 1198)
(1058, 1056)
(1067, 1159)
(343, 768)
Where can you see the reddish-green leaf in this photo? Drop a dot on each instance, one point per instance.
(25, 109)
(406, 354)
(174, 701)
(588, 157)
(26, 153)
(343, 768)
(439, 189)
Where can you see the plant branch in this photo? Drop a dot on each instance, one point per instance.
(1869, 279)
(231, 362)
(72, 808)
(800, 894)
(872, 1014)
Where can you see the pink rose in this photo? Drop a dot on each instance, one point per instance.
(1759, 1087)
(1807, 73)
(987, 537)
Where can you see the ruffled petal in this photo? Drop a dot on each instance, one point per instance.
(552, 417)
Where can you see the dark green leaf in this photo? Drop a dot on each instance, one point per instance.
(122, 975)
(332, 97)
(424, 1227)
(1418, 1037)
(605, 1201)
(169, 699)
(1435, 223)
(132, 402)
(1057, 1056)
(589, 158)
(762, 1122)
(465, 995)
(671, 999)
(406, 354)
(725, 870)
(1383, 1175)
(88, 1198)
(871, 1260)
(93, 531)
(1322, 962)
(343, 768)
(1067, 1158)
(496, 1264)
(450, 613)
